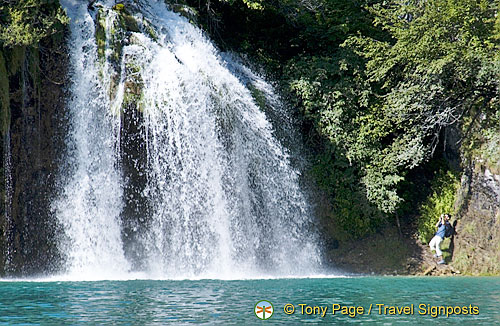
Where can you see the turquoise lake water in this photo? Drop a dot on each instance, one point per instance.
(148, 302)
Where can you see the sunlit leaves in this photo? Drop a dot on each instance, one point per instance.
(384, 100)
(25, 22)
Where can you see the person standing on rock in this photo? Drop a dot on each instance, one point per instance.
(439, 237)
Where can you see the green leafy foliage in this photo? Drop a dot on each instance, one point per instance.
(26, 22)
(385, 99)
(352, 211)
(376, 84)
(441, 200)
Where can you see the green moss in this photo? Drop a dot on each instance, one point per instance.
(119, 7)
(258, 96)
(150, 31)
(4, 97)
(186, 11)
(129, 23)
(117, 35)
(133, 94)
(110, 35)
(133, 100)
(100, 35)
(117, 51)
(350, 211)
(133, 68)
(11, 62)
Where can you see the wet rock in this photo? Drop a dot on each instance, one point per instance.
(186, 11)
(477, 245)
(33, 129)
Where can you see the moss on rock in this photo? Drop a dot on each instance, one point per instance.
(133, 87)
(186, 11)
(119, 7)
(100, 35)
(114, 28)
(258, 96)
(129, 23)
(150, 31)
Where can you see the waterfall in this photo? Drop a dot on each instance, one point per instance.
(90, 203)
(7, 174)
(173, 166)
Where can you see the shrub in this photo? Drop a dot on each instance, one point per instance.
(443, 190)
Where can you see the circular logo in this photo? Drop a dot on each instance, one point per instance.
(263, 309)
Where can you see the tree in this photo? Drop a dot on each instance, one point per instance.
(25, 22)
(385, 100)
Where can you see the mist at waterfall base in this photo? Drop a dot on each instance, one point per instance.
(193, 179)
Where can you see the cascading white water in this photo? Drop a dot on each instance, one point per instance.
(90, 203)
(223, 199)
(8, 197)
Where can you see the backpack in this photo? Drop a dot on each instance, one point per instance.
(449, 230)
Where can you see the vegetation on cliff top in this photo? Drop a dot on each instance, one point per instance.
(26, 22)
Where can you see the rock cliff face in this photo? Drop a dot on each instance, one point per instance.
(33, 81)
(477, 245)
(114, 28)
